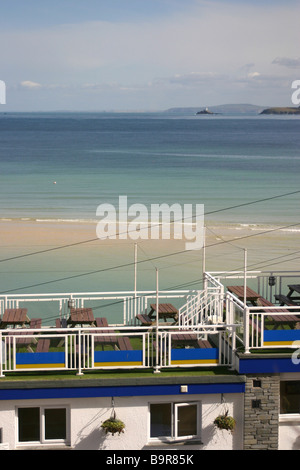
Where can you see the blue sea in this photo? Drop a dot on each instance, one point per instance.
(59, 167)
(62, 166)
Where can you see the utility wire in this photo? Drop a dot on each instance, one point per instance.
(196, 281)
(144, 261)
(149, 226)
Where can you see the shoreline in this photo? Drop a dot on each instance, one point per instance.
(21, 235)
(44, 258)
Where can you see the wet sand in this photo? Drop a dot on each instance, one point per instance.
(63, 249)
(46, 257)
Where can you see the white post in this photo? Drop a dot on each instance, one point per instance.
(204, 281)
(135, 279)
(2, 354)
(246, 330)
(246, 309)
(245, 276)
(157, 322)
(79, 354)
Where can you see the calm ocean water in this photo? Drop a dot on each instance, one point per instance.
(218, 161)
(152, 158)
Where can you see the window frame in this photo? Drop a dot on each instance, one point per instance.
(42, 426)
(173, 438)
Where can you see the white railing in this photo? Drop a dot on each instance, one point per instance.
(272, 329)
(127, 304)
(82, 349)
(222, 342)
(213, 286)
(267, 283)
(203, 307)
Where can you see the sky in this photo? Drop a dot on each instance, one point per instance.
(147, 55)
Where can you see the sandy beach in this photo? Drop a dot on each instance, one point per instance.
(51, 256)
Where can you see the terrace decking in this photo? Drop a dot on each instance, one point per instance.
(203, 331)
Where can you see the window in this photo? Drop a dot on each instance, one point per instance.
(290, 397)
(43, 425)
(171, 421)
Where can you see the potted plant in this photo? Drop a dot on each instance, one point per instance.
(113, 425)
(225, 421)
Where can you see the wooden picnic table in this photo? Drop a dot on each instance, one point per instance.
(109, 338)
(82, 316)
(184, 339)
(294, 288)
(290, 299)
(15, 317)
(251, 295)
(165, 311)
(285, 317)
(189, 339)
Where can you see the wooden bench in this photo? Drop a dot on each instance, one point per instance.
(124, 343)
(81, 316)
(43, 345)
(284, 300)
(184, 339)
(165, 312)
(286, 318)
(61, 323)
(203, 343)
(26, 338)
(145, 319)
(15, 317)
(109, 338)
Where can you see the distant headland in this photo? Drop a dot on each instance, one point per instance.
(283, 110)
(232, 109)
(235, 110)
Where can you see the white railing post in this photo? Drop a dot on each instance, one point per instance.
(79, 354)
(157, 325)
(221, 305)
(246, 330)
(2, 356)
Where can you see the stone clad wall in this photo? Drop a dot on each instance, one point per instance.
(261, 412)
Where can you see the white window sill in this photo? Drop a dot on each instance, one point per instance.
(289, 418)
(44, 447)
(186, 442)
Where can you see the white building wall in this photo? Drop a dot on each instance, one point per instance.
(87, 414)
(289, 434)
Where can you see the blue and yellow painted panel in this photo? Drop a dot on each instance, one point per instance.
(194, 356)
(281, 337)
(118, 358)
(40, 360)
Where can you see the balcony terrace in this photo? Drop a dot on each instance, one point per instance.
(234, 317)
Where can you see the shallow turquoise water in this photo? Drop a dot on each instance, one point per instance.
(218, 161)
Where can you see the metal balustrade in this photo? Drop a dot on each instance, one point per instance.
(84, 349)
(214, 319)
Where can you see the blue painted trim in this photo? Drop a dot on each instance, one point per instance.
(40, 358)
(122, 391)
(118, 356)
(192, 354)
(281, 335)
(275, 366)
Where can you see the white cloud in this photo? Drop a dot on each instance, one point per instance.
(287, 62)
(31, 85)
(201, 48)
(254, 74)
